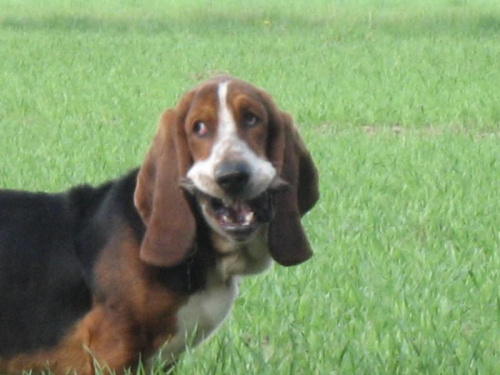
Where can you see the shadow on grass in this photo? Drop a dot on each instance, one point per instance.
(350, 26)
(151, 24)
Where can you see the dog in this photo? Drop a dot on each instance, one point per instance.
(141, 266)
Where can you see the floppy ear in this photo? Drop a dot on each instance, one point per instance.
(162, 205)
(288, 242)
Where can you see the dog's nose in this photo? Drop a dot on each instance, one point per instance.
(232, 177)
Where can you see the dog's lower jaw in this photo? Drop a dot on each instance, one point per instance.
(248, 258)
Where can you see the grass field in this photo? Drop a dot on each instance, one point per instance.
(399, 103)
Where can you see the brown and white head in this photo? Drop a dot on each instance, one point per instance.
(228, 146)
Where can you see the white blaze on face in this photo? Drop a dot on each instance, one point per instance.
(228, 145)
(227, 126)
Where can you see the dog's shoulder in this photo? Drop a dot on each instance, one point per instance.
(37, 268)
(49, 243)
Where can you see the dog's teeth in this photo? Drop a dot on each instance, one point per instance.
(249, 217)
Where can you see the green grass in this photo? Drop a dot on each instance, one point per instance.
(399, 103)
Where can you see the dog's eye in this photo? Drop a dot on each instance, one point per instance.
(200, 129)
(250, 120)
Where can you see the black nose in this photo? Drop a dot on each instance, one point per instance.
(232, 177)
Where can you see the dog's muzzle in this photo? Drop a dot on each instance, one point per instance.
(237, 217)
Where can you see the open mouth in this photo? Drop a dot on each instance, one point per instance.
(239, 218)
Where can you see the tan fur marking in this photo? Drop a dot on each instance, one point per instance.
(134, 317)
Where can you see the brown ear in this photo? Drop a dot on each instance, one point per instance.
(170, 224)
(288, 242)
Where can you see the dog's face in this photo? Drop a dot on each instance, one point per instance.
(227, 129)
(228, 146)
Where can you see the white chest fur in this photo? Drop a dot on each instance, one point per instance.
(205, 310)
(200, 316)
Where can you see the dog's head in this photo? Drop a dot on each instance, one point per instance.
(227, 145)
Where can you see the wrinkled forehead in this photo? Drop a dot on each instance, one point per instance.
(220, 92)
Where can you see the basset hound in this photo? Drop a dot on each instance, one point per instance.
(143, 265)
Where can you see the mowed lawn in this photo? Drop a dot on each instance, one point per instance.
(399, 103)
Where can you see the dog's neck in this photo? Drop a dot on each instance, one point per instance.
(212, 254)
(238, 259)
